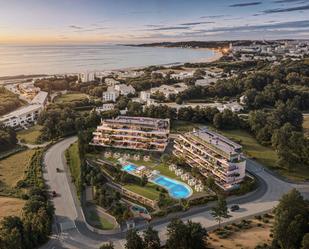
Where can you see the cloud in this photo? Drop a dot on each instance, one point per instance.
(214, 16)
(245, 4)
(75, 27)
(194, 23)
(281, 10)
(289, 1)
(170, 28)
(281, 25)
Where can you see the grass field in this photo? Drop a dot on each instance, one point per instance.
(184, 126)
(10, 206)
(306, 125)
(31, 135)
(70, 97)
(98, 221)
(74, 163)
(12, 168)
(149, 191)
(265, 155)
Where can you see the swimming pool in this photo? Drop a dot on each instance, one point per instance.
(176, 189)
(129, 167)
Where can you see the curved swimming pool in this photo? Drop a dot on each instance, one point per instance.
(176, 189)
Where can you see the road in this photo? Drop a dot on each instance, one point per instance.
(70, 230)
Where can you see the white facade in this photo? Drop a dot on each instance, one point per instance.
(214, 155)
(167, 90)
(87, 76)
(111, 82)
(110, 95)
(22, 117)
(125, 89)
(40, 98)
(105, 107)
(144, 96)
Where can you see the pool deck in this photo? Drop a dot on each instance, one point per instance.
(152, 175)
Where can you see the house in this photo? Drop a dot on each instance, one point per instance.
(124, 89)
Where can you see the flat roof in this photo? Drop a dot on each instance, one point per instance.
(21, 111)
(39, 98)
(138, 120)
(217, 140)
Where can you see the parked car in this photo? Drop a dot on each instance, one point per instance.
(234, 208)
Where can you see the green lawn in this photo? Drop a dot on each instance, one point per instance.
(31, 135)
(99, 222)
(70, 97)
(149, 191)
(184, 126)
(72, 155)
(265, 155)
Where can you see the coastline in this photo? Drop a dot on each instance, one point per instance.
(216, 56)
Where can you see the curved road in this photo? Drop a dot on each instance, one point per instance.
(70, 231)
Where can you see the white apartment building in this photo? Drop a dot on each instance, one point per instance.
(22, 116)
(111, 82)
(86, 77)
(40, 98)
(106, 107)
(138, 133)
(144, 96)
(110, 95)
(214, 155)
(125, 89)
(167, 90)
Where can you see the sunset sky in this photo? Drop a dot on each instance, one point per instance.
(84, 21)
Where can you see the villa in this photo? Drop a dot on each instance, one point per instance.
(138, 133)
(214, 155)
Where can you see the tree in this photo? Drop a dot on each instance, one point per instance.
(151, 239)
(220, 211)
(12, 233)
(305, 241)
(144, 180)
(291, 220)
(185, 236)
(134, 241)
(107, 246)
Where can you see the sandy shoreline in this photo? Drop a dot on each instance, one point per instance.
(216, 56)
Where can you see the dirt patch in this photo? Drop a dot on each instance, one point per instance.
(10, 206)
(257, 233)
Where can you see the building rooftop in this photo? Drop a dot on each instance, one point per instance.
(40, 98)
(222, 143)
(20, 111)
(143, 121)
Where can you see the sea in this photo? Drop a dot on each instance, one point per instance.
(65, 59)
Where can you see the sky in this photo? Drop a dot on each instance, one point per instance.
(138, 21)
